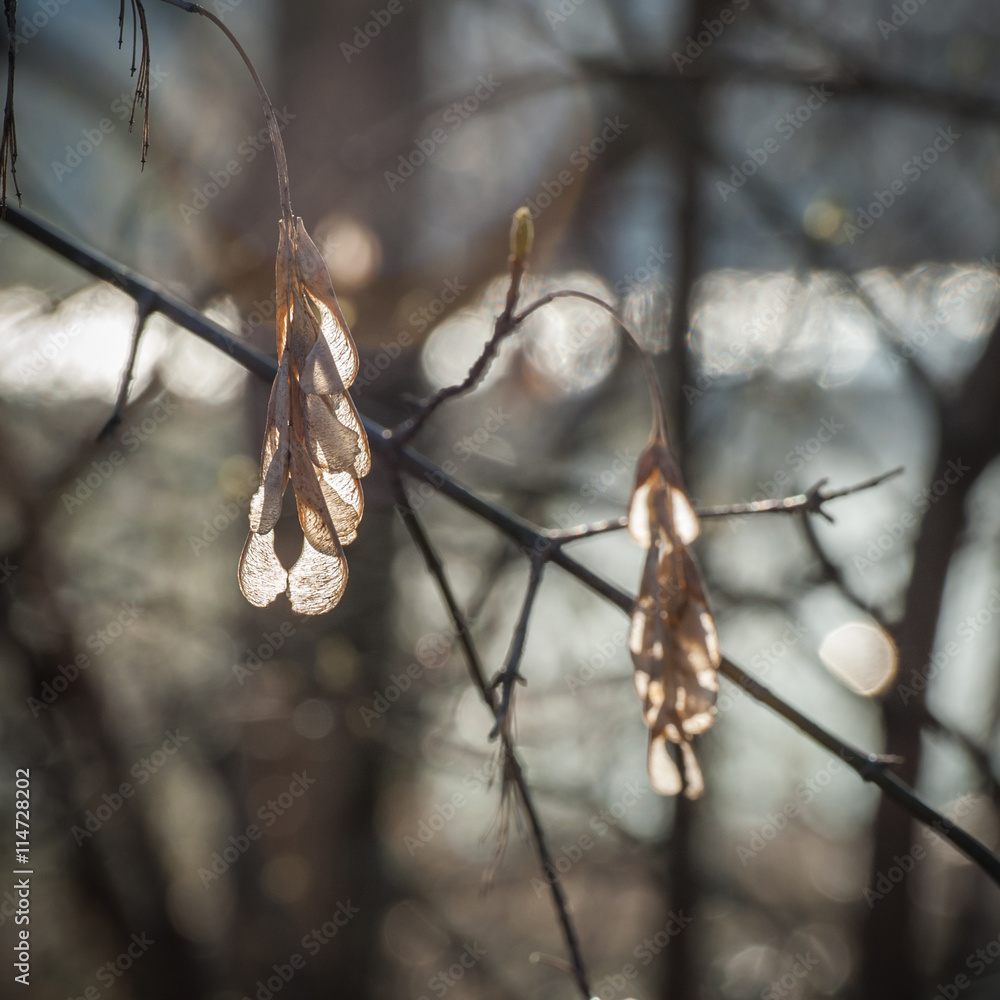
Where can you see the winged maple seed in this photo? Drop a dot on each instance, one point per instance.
(672, 638)
(313, 437)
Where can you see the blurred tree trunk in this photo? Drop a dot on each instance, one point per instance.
(969, 440)
(336, 99)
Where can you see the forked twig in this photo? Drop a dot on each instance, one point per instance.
(810, 502)
(513, 764)
(511, 673)
(141, 96)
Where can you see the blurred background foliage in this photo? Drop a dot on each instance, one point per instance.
(797, 205)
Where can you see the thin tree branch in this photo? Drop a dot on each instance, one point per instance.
(521, 532)
(8, 137)
(143, 306)
(503, 327)
(809, 502)
(511, 675)
(475, 665)
(274, 130)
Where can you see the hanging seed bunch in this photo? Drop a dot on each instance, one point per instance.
(313, 436)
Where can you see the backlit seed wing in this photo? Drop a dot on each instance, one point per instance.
(672, 636)
(316, 582)
(261, 576)
(314, 438)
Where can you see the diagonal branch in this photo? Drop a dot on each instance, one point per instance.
(513, 766)
(511, 675)
(524, 534)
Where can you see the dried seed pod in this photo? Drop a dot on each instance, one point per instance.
(672, 638)
(313, 437)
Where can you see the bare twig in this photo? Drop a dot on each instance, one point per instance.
(506, 324)
(511, 673)
(835, 574)
(141, 96)
(8, 141)
(513, 764)
(503, 327)
(270, 115)
(143, 308)
(810, 502)
(521, 532)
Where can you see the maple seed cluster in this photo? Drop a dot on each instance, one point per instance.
(313, 437)
(672, 637)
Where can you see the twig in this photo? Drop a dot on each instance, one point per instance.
(141, 96)
(503, 327)
(521, 532)
(143, 307)
(652, 382)
(810, 502)
(274, 130)
(835, 574)
(511, 675)
(514, 767)
(8, 142)
(506, 324)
